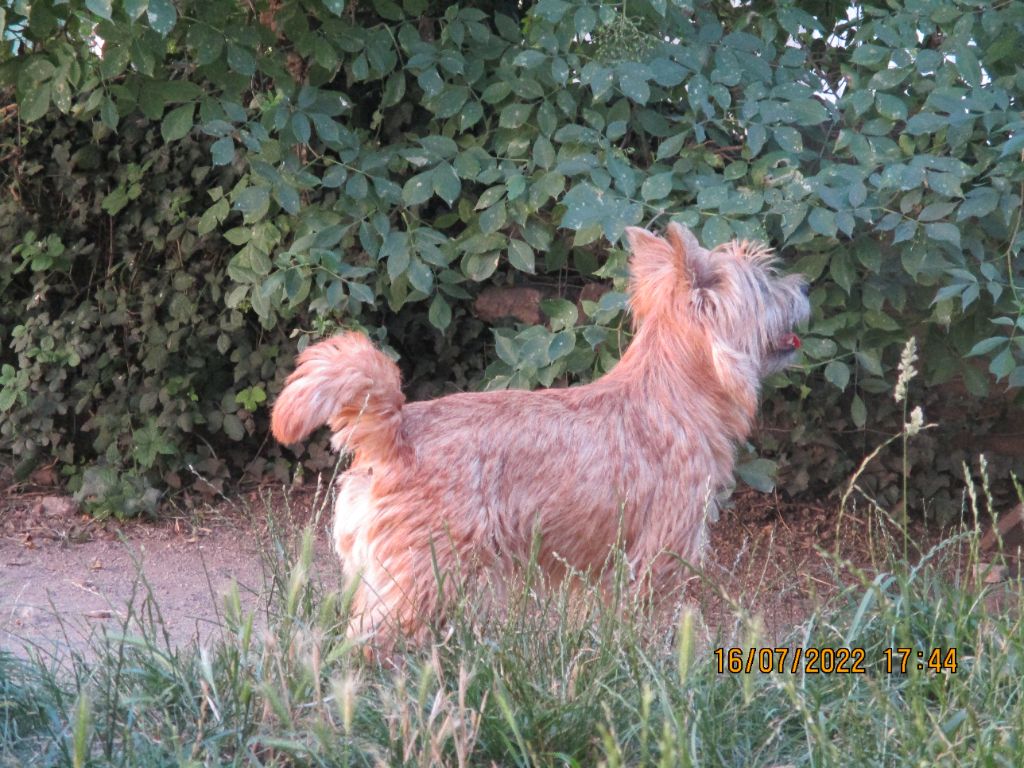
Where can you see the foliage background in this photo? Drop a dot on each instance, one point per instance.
(226, 181)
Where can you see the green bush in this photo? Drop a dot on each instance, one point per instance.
(119, 355)
(377, 163)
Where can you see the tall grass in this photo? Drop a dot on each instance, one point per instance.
(561, 677)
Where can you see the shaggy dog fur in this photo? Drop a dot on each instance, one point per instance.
(465, 482)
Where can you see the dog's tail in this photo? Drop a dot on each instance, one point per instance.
(352, 386)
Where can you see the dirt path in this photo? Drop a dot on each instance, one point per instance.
(56, 591)
(64, 576)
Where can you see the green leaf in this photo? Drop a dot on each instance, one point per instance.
(213, 216)
(886, 79)
(670, 147)
(514, 115)
(162, 16)
(657, 186)
(979, 203)
(223, 151)
(858, 412)
(505, 348)
(480, 266)
(520, 256)
(543, 152)
(842, 269)
(985, 346)
(253, 202)
(547, 186)
(8, 396)
(207, 42)
(936, 211)
(736, 170)
(238, 235)
(633, 79)
(241, 60)
(599, 78)
(420, 276)
(838, 373)
(287, 197)
(925, 122)
(516, 186)
(356, 186)
(35, 103)
(876, 319)
(135, 8)
(891, 107)
(807, 112)
(756, 138)
(493, 218)
(250, 398)
(869, 360)
(108, 113)
(552, 10)
(177, 123)
(301, 128)
(440, 313)
(489, 197)
(419, 188)
(361, 292)
(789, 139)
(967, 65)
(561, 312)
(869, 55)
(450, 102)
(1003, 364)
(759, 474)
(233, 427)
(793, 216)
(445, 183)
(439, 146)
(496, 91)
(100, 7)
(944, 183)
(944, 232)
(334, 177)
(388, 9)
(716, 231)
(396, 250)
(1016, 378)
(823, 221)
(562, 344)
(529, 59)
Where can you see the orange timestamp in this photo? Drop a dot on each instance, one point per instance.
(830, 661)
(903, 660)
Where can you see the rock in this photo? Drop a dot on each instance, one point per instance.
(522, 303)
(59, 506)
(497, 303)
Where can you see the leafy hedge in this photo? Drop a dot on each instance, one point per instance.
(226, 175)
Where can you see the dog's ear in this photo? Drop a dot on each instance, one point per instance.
(654, 272)
(695, 259)
(659, 268)
(699, 272)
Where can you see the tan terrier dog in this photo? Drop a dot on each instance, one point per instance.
(463, 483)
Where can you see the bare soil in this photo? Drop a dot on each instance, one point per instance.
(65, 576)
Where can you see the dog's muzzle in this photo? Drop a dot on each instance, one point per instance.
(788, 343)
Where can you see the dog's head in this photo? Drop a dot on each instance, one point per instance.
(733, 293)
